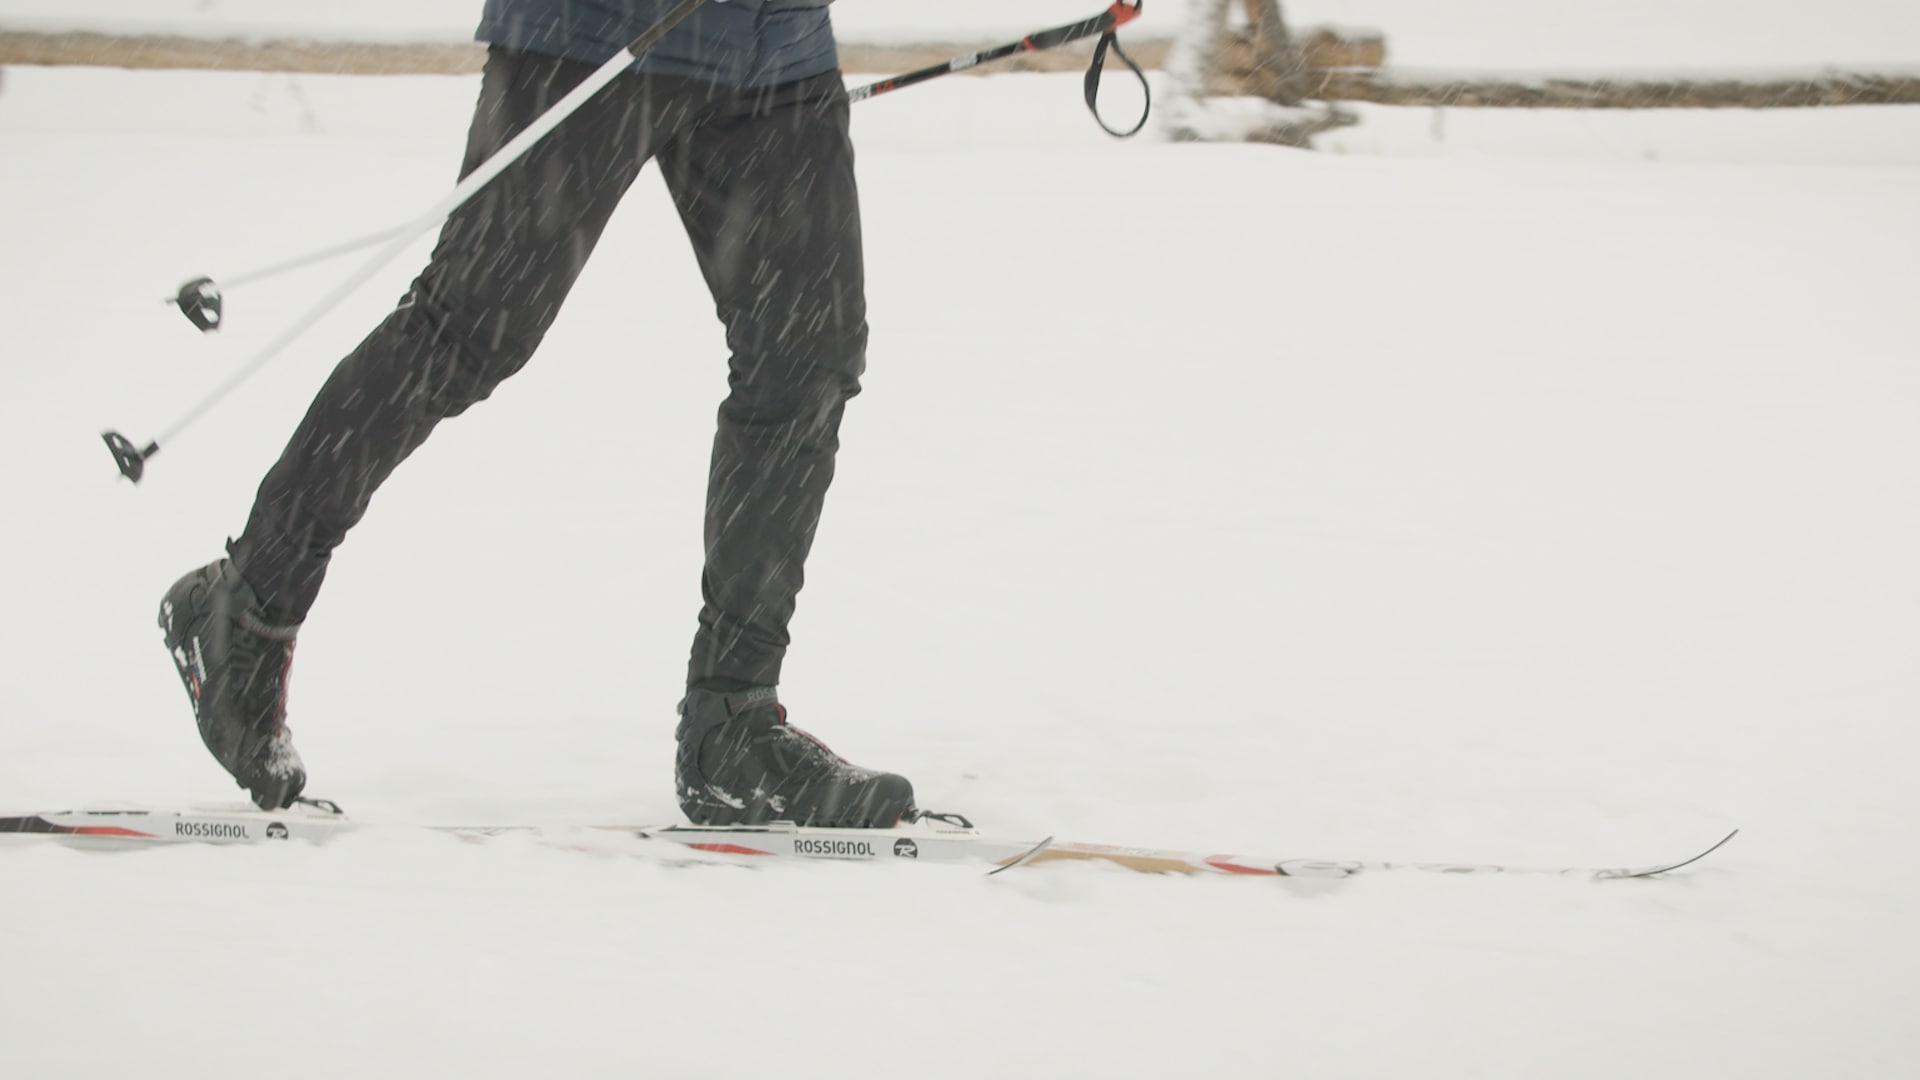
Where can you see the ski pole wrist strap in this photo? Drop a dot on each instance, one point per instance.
(1116, 16)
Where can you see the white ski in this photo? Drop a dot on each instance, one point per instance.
(943, 838)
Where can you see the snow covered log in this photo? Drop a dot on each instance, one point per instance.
(1260, 82)
(1599, 90)
(448, 58)
(1208, 60)
(322, 57)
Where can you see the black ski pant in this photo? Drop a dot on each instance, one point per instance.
(763, 181)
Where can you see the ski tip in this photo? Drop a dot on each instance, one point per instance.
(1023, 858)
(1717, 845)
(1652, 871)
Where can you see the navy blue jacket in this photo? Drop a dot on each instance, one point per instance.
(749, 43)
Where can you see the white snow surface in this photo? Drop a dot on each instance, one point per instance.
(1530, 488)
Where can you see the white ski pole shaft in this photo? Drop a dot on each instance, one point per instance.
(310, 258)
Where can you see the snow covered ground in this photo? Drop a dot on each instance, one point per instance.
(1544, 491)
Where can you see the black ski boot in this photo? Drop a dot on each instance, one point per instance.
(741, 763)
(234, 664)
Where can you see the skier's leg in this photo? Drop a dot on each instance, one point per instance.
(768, 197)
(504, 262)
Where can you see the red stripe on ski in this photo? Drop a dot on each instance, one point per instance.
(728, 849)
(38, 824)
(1225, 864)
(109, 830)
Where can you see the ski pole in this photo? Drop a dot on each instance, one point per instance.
(132, 459)
(201, 300)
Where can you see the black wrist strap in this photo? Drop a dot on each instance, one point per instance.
(1109, 41)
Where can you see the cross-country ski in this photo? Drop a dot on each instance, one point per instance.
(934, 838)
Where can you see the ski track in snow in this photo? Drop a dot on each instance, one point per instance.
(1541, 493)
